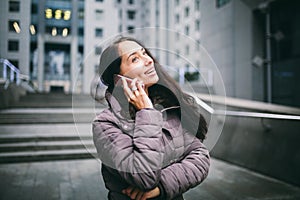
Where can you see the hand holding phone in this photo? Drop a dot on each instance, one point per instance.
(118, 81)
(136, 95)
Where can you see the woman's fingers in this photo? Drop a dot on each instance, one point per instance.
(127, 91)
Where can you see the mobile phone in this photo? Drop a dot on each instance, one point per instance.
(118, 80)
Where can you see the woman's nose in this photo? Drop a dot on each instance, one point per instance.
(148, 60)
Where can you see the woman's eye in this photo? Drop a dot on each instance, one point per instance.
(134, 59)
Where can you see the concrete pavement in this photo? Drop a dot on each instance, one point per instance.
(81, 179)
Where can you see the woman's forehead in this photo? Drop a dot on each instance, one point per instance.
(128, 47)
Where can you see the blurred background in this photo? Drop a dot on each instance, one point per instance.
(240, 58)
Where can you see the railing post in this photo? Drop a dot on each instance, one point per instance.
(4, 71)
(12, 75)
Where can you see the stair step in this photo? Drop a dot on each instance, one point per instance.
(30, 156)
(5, 138)
(47, 115)
(50, 145)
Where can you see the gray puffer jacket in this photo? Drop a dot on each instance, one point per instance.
(152, 150)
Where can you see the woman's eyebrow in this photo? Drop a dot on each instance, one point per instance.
(142, 49)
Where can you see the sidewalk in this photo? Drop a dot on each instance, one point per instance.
(80, 179)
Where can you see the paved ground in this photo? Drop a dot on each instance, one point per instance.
(80, 179)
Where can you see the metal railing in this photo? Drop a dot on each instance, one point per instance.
(260, 115)
(11, 74)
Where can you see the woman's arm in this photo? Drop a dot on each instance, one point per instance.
(180, 176)
(137, 157)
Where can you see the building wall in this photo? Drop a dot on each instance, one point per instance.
(109, 23)
(228, 34)
(23, 17)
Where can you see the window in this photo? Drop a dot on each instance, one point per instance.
(177, 3)
(13, 45)
(220, 3)
(14, 6)
(197, 5)
(131, 14)
(99, 0)
(187, 30)
(130, 29)
(187, 50)
(130, 1)
(177, 18)
(14, 26)
(34, 8)
(197, 25)
(98, 50)
(80, 31)
(15, 63)
(99, 32)
(99, 14)
(187, 11)
(81, 13)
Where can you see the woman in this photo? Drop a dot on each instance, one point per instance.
(150, 138)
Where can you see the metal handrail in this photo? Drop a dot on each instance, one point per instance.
(261, 115)
(15, 74)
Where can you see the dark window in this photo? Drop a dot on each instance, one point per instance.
(81, 13)
(197, 25)
(34, 8)
(98, 50)
(130, 29)
(220, 3)
(99, 0)
(14, 6)
(13, 45)
(80, 31)
(131, 1)
(131, 14)
(187, 12)
(15, 63)
(187, 30)
(177, 18)
(197, 5)
(99, 32)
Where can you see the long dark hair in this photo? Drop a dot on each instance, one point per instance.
(191, 118)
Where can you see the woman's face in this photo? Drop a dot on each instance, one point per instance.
(136, 63)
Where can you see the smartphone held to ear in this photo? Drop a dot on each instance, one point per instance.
(118, 80)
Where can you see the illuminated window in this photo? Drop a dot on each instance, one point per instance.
(67, 15)
(58, 14)
(32, 29)
(48, 13)
(14, 26)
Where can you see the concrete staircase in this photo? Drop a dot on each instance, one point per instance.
(48, 127)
